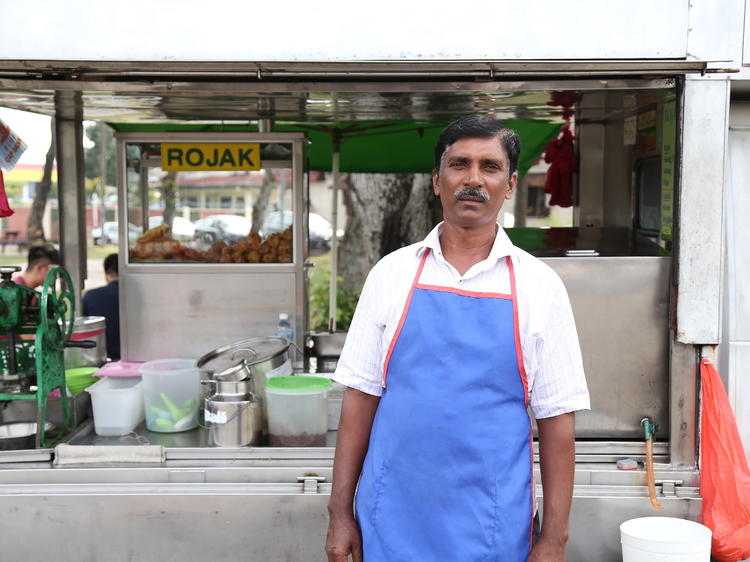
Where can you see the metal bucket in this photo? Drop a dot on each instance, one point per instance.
(233, 422)
(87, 328)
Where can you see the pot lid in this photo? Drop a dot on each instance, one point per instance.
(224, 361)
(87, 323)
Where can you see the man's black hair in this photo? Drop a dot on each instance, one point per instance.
(479, 126)
(44, 253)
(110, 265)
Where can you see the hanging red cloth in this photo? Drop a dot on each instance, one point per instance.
(5, 210)
(561, 156)
(725, 476)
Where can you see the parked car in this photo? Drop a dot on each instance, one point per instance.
(228, 228)
(108, 233)
(182, 229)
(320, 230)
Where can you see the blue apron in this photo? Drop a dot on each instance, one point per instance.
(448, 472)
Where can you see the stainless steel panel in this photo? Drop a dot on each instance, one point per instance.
(26, 410)
(700, 223)
(192, 524)
(621, 310)
(265, 514)
(187, 314)
(596, 516)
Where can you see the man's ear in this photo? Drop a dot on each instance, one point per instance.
(435, 179)
(512, 184)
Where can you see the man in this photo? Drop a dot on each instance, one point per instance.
(40, 260)
(452, 339)
(105, 301)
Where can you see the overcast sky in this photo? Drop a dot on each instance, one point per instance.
(34, 130)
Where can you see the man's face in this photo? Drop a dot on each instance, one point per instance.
(473, 181)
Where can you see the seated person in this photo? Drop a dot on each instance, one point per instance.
(105, 301)
(40, 261)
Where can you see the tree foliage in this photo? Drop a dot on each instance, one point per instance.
(92, 154)
(35, 227)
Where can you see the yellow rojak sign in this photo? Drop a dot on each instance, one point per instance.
(185, 157)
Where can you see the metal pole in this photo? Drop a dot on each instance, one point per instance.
(335, 167)
(71, 191)
(143, 192)
(102, 171)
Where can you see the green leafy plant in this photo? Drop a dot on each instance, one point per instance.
(319, 291)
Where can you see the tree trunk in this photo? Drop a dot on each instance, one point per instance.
(168, 190)
(261, 202)
(35, 227)
(384, 212)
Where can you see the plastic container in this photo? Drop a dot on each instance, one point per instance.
(117, 404)
(297, 411)
(171, 388)
(664, 539)
(79, 379)
(284, 327)
(120, 369)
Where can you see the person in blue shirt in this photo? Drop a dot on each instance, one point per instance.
(105, 301)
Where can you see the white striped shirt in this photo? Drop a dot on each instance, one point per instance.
(551, 353)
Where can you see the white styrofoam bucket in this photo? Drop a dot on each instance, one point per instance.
(664, 539)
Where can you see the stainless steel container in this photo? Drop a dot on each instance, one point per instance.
(254, 359)
(233, 420)
(19, 435)
(87, 328)
(326, 348)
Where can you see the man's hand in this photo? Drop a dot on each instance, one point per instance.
(546, 551)
(343, 539)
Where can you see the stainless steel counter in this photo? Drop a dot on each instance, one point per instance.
(193, 439)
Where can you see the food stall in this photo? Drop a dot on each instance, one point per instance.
(641, 262)
(185, 298)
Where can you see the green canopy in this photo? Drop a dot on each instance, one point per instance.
(374, 146)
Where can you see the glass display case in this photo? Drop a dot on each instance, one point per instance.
(212, 238)
(210, 202)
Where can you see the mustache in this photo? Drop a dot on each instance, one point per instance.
(471, 192)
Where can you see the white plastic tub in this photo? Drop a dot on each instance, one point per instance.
(297, 411)
(171, 389)
(117, 404)
(665, 539)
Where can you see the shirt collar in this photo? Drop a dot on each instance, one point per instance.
(501, 247)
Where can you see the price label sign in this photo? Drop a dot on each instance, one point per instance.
(11, 147)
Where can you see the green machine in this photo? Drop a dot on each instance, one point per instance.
(35, 328)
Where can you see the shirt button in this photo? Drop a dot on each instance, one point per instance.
(460, 280)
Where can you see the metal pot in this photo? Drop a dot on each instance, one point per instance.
(87, 328)
(237, 372)
(20, 435)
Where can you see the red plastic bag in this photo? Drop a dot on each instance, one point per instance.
(725, 478)
(5, 210)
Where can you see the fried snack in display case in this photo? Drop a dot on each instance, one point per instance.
(158, 244)
(219, 200)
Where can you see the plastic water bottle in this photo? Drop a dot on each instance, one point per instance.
(284, 328)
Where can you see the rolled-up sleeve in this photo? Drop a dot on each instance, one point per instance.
(360, 364)
(559, 384)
